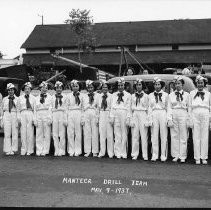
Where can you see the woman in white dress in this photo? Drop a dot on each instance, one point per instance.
(10, 121)
(59, 114)
(26, 109)
(139, 122)
(200, 111)
(158, 101)
(178, 116)
(74, 119)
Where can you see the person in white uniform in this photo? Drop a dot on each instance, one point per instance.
(178, 116)
(139, 122)
(26, 109)
(59, 115)
(74, 116)
(43, 120)
(105, 126)
(10, 121)
(91, 120)
(121, 114)
(158, 101)
(200, 109)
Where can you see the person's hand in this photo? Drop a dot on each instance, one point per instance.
(128, 121)
(111, 120)
(190, 124)
(35, 123)
(132, 123)
(65, 123)
(170, 123)
(146, 124)
(49, 122)
(1, 123)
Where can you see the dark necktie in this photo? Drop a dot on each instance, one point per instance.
(28, 105)
(104, 102)
(11, 102)
(58, 98)
(42, 97)
(158, 95)
(91, 98)
(77, 99)
(179, 95)
(198, 94)
(120, 95)
(138, 97)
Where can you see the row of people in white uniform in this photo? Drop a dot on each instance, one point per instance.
(105, 119)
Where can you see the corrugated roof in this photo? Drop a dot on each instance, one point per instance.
(189, 31)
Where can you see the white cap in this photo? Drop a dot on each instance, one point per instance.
(199, 77)
(88, 82)
(138, 80)
(44, 84)
(121, 80)
(178, 78)
(156, 79)
(28, 84)
(58, 83)
(74, 82)
(10, 85)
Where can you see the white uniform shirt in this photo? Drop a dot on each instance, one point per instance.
(5, 103)
(22, 102)
(63, 107)
(71, 103)
(197, 102)
(161, 104)
(87, 105)
(173, 103)
(47, 105)
(108, 99)
(125, 105)
(144, 102)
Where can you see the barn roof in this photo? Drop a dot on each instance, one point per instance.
(188, 31)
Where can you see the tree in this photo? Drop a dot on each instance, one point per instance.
(82, 25)
(1, 54)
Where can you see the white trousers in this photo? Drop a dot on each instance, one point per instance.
(27, 132)
(91, 139)
(140, 118)
(58, 130)
(10, 132)
(159, 124)
(179, 134)
(43, 133)
(120, 133)
(106, 132)
(74, 132)
(200, 133)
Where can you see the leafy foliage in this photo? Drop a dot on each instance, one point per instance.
(82, 24)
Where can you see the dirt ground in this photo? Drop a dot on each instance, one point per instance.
(30, 181)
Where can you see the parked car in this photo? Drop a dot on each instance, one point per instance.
(148, 82)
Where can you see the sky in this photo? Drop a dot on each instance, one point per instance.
(19, 17)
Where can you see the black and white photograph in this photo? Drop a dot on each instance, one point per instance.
(105, 103)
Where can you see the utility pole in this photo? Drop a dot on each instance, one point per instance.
(41, 17)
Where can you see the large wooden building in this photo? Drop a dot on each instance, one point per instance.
(158, 44)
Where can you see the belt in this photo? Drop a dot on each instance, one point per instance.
(42, 110)
(26, 110)
(11, 110)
